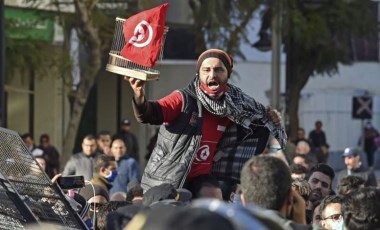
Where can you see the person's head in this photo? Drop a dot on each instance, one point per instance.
(44, 140)
(361, 209)
(105, 209)
(118, 148)
(300, 133)
(205, 186)
(135, 192)
(298, 171)
(168, 217)
(351, 158)
(105, 166)
(316, 216)
(301, 159)
(214, 67)
(331, 212)
(320, 179)
(28, 140)
(160, 192)
(302, 147)
(89, 145)
(103, 140)
(95, 196)
(302, 187)
(125, 125)
(265, 182)
(350, 184)
(318, 125)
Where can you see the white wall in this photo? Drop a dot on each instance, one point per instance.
(324, 98)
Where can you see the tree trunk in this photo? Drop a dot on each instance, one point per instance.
(296, 78)
(91, 39)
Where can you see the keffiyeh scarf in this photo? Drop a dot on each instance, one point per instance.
(241, 109)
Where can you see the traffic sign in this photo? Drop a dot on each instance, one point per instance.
(362, 107)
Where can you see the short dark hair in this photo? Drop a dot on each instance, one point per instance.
(361, 209)
(89, 137)
(266, 182)
(196, 185)
(103, 161)
(350, 184)
(103, 133)
(136, 191)
(322, 168)
(332, 199)
(298, 169)
(26, 135)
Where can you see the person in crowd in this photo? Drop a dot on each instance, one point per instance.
(194, 120)
(51, 156)
(301, 136)
(29, 142)
(316, 217)
(355, 167)
(127, 167)
(164, 192)
(331, 212)
(298, 171)
(205, 186)
(304, 160)
(350, 184)
(83, 163)
(361, 209)
(104, 210)
(266, 182)
(96, 197)
(129, 138)
(135, 193)
(376, 154)
(229, 190)
(105, 171)
(320, 178)
(103, 141)
(370, 133)
(319, 145)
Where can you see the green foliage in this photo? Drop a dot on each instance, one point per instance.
(327, 32)
(222, 23)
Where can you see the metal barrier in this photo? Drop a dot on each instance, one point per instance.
(27, 196)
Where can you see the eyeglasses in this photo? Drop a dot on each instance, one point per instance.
(334, 217)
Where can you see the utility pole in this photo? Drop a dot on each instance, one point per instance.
(276, 55)
(2, 65)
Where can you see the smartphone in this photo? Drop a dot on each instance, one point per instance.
(71, 182)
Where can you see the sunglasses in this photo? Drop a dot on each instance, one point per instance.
(334, 217)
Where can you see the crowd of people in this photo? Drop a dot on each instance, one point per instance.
(221, 161)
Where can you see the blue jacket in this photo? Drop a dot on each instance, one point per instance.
(127, 170)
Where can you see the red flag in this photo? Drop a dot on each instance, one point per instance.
(143, 35)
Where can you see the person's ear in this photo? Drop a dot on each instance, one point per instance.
(102, 170)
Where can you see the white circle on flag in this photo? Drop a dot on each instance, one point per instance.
(203, 153)
(140, 34)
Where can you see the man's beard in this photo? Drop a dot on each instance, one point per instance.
(315, 195)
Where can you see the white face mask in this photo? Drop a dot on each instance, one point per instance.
(338, 225)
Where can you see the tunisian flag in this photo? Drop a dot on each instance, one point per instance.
(143, 35)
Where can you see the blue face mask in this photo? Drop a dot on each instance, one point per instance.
(88, 223)
(111, 176)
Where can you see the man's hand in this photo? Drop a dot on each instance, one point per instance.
(138, 87)
(274, 116)
(299, 207)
